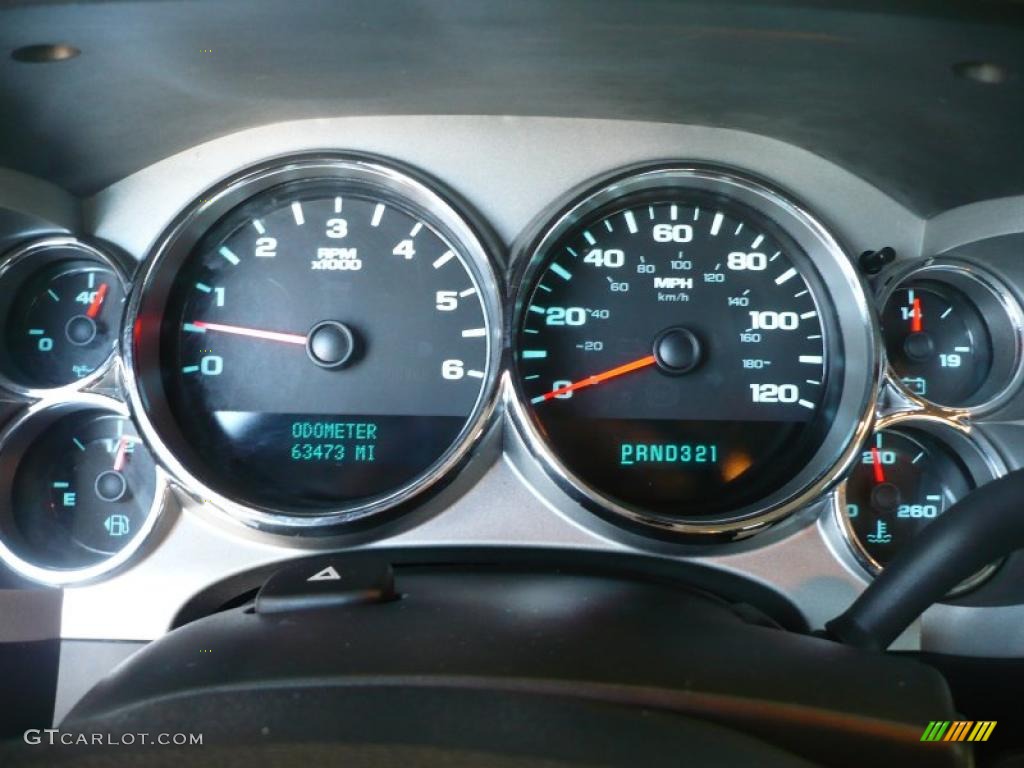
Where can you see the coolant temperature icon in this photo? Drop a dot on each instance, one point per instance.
(881, 534)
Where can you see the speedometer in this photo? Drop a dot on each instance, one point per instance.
(681, 356)
(320, 345)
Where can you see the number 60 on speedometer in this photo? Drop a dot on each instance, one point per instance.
(681, 347)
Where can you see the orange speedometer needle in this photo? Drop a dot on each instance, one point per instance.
(597, 378)
(915, 317)
(287, 338)
(97, 302)
(876, 463)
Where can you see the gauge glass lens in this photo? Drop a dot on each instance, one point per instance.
(674, 353)
(903, 481)
(64, 323)
(937, 342)
(323, 346)
(82, 491)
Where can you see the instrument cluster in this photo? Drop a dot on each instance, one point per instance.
(320, 343)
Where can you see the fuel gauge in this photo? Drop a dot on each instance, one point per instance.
(82, 491)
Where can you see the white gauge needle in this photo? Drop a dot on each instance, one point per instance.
(287, 338)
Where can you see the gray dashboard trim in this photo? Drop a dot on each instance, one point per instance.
(29, 615)
(970, 223)
(870, 85)
(511, 169)
(31, 207)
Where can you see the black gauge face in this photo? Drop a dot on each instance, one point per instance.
(64, 323)
(903, 481)
(673, 354)
(82, 491)
(937, 342)
(323, 346)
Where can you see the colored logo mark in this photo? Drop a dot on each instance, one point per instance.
(958, 730)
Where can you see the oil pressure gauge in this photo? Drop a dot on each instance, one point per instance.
(62, 302)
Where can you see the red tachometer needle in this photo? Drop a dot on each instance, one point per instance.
(97, 302)
(597, 378)
(915, 317)
(287, 338)
(876, 463)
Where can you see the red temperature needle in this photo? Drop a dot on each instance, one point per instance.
(597, 378)
(97, 302)
(287, 338)
(876, 463)
(915, 317)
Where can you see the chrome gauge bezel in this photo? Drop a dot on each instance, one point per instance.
(978, 456)
(454, 221)
(37, 418)
(1002, 313)
(35, 250)
(841, 286)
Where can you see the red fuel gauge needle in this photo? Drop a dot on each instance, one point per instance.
(915, 317)
(876, 463)
(97, 302)
(597, 378)
(287, 338)
(121, 455)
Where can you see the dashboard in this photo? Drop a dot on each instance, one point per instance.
(697, 343)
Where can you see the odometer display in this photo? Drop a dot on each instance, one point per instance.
(673, 351)
(324, 348)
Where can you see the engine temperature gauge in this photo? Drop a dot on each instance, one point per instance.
(905, 478)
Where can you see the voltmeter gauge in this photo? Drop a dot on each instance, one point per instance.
(82, 491)
(62, 314)
(937, 342)
(952, 336)
(904, 479)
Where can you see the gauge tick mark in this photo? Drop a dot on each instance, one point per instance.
(443, 259)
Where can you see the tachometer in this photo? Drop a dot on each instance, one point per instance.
(327, 349)
(679, 354)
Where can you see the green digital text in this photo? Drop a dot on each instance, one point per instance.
(667, 453)
(333, 441)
